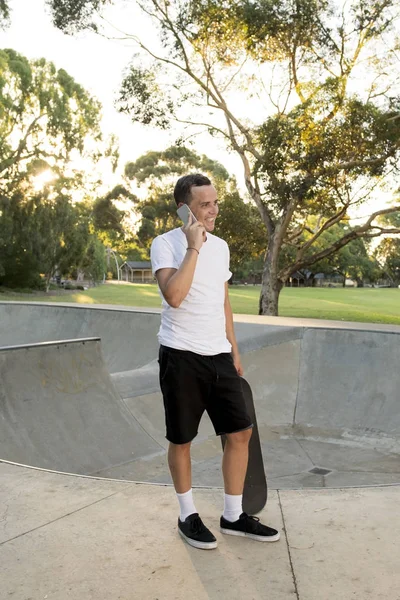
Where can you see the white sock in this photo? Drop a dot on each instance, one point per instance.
(232, 507)
(186, 504)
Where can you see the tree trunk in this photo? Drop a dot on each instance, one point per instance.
(271, 285)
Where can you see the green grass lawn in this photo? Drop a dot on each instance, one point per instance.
(350, 304)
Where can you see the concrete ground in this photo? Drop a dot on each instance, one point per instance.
(67, 537)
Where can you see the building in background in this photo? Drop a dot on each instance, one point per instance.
(137, 272)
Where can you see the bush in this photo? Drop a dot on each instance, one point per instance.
(15, 290)
(22, 272)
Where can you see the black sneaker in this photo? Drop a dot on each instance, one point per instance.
(250, 527)
(195, 533)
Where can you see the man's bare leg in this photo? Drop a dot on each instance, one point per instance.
(234, 462)
(180, 466)
(234, 467)
(190, 526)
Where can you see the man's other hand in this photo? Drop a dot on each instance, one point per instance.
(238, 365)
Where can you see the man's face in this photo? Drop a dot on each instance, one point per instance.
(204, 205)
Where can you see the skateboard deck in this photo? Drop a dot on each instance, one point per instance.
(255, 486)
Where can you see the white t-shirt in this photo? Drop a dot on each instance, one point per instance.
(198, 324)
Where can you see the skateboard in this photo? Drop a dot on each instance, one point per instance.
(255, 486)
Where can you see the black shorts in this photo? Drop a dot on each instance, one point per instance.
(191, 384)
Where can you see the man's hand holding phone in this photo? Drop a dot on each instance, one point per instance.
(194, 230)
(195, 233)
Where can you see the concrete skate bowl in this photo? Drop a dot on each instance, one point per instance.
(327, 398)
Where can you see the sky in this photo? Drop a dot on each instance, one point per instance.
(98, 65)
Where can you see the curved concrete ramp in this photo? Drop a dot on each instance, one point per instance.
(326, 396)
(350, 379)
(330, 379)
(129, 336)
(59, 410)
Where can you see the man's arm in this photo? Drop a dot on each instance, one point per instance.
(176, 283)
(230, 332)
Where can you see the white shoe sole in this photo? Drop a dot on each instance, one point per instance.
(257, 538)
(199, 545)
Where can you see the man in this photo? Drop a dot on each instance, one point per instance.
(200, 365)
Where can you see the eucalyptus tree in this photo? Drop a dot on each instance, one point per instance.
(306, 92)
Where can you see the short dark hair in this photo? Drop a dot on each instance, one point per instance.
(183, 187)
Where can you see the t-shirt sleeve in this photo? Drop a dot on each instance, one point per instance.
(228, 273)
(162, 255)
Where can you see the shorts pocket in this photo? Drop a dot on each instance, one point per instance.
(164, 360)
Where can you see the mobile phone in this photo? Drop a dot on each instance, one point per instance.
(184, 212)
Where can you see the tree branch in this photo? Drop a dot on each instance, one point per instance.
(297, 233)
(210, 91)
(225, 87)
(17, 154)
(185, 122)
(297, 86)
(329, 223)
(252, 189)
(352, 164)
(367, 230)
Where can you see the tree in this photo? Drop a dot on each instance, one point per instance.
(319, 149)
(93, 261)
(108, 219)
(47, 233)
(240, 225)
(354, 262)
(388, 251)
(4, 14)
(50, 234)
(351, 261)
(47, 119)
(46, 116)
(388, 254)
(19, 266)
(62, 234)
